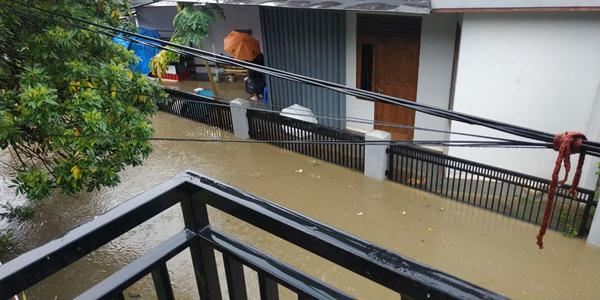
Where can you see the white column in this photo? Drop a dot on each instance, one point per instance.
(594, 234)
(238, 117)
(375, 156)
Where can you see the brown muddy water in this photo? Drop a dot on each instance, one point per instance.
(482, 247)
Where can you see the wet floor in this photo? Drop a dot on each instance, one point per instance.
(482, 247)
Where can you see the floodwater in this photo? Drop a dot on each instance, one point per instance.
(482, 247)
(225, 90)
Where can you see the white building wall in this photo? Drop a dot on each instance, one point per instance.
(236, 17)
(535, 70)
(355, 108)
(435, 72)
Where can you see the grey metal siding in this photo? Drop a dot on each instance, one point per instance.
(311, 43)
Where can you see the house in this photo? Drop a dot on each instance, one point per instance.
(531, 63)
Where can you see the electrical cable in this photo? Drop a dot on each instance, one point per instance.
(303, 113)
(450, 143)
(593, 148)
(355, 120)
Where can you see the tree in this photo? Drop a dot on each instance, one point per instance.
(190, 28)
(72, 114)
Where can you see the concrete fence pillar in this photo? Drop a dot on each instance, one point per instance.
(238, 117)
(375, 157)
(593, 237)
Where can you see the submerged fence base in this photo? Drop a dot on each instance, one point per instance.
(503, 191)
(510, 193)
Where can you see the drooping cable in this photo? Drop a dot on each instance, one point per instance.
(592, 148)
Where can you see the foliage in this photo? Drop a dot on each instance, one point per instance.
(568, 229)
(190, 28)
(6, 241)
(23, 212)
(72, 114)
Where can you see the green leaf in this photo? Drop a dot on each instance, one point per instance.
(68, 100)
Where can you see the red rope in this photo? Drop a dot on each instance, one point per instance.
(566, 144)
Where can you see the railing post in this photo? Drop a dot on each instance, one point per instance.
(239, 118)
(236, 283)
(268, 288)
(195, 216)
(162, 282)
(375, 155)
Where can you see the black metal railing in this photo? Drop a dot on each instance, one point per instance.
(507, 192)
(195, 193)
(271, 126)
(199, 108)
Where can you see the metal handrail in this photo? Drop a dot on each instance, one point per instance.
(195, 192)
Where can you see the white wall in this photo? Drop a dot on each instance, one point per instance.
(535, 70)
(158, 18)
(435, 72)
(237, 17)
(355, 108)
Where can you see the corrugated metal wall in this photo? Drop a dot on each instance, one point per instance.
(310, 43)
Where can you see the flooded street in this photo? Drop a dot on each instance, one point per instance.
(485, 248)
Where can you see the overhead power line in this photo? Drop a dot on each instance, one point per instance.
(590, 147)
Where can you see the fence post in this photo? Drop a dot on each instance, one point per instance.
(375, 156)
(239, 118)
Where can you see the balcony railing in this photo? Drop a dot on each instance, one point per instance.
(194, 193)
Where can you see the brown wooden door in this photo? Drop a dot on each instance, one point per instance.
(395, 43)
(396, 67)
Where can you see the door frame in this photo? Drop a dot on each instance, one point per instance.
(374, 40)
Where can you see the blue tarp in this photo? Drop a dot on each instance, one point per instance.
(143, 52)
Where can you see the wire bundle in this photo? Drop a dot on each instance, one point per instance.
(589, 147)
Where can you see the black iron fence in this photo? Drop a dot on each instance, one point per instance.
(270, 126)
(509, 193)
(195, 193)
(199, 109)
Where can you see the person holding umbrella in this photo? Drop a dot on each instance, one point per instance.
(243, 46)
